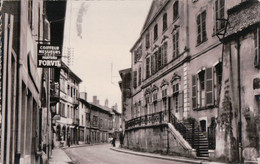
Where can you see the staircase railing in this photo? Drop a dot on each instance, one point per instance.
(149, 119)
(189, 135)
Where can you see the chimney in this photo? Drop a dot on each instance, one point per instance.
(83, 95)
(97, 102)
(94, 100)
(115, 107)
(106, 103)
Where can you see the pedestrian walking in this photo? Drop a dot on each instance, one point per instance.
(68, 140)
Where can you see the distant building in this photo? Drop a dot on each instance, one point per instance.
(96, 121)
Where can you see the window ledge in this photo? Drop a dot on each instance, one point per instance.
(205, 108)
(165, 30)
(175, 19)
(198, 44)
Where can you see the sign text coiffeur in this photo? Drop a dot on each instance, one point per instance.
(49, 55)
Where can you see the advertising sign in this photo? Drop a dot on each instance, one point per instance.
(49, 56)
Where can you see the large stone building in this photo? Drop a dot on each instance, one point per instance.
(177, 87)
(26, 134)
(67, 112)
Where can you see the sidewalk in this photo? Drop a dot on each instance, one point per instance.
(165, 157)
(59, 157)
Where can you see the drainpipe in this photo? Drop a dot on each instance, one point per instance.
(239, 104)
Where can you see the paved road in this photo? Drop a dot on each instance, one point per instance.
(101, 154)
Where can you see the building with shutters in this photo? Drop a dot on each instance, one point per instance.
(177, 81)
(66, 115)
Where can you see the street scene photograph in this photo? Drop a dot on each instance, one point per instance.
(130, 81)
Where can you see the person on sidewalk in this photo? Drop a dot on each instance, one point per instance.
(114, 141)
(68, 140)
(121, 139)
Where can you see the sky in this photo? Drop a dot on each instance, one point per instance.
(99, 34)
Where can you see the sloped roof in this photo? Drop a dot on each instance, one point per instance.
(243, 16)
(155, 9)
(156, 6)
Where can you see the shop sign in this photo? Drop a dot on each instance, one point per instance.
(49, 56)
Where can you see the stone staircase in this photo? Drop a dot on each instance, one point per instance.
(200, 140)
(191, 133)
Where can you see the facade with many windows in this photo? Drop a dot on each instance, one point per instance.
(67, 110)
(179, 60)
(96, 121)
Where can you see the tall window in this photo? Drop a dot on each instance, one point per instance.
(135, 79)
(147, 67)
(30, 12)
(153, 64)
(202, 89)
(140, 76)
(155, 32)
(159, 58)
(220, 14)
(155, 102)
(175, 10)
(164, 98)
(164, 21)
(218, 76)
(257, 48)
(201, 27)
(175, 41)
(175, 91)
(147, 40)
(164, 53)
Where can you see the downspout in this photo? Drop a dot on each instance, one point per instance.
(239, 104)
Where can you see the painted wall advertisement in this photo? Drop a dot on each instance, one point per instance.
(49, 56)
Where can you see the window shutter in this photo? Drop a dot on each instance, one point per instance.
(199, 29)
(165, 45)
(194, 91)
(257, 43)
(216, 13)
(159, 57)
(147, 67)
(180, 105)
(209, 87)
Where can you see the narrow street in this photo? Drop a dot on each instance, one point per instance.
(101, 154)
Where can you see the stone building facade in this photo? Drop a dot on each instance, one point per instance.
(67, 110)
(26, 134)
(238, 119)
(177, 80)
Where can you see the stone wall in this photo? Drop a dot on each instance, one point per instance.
(154, 139)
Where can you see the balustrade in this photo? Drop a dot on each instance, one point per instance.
(149, 119)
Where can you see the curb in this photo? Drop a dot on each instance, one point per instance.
(159, 157)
